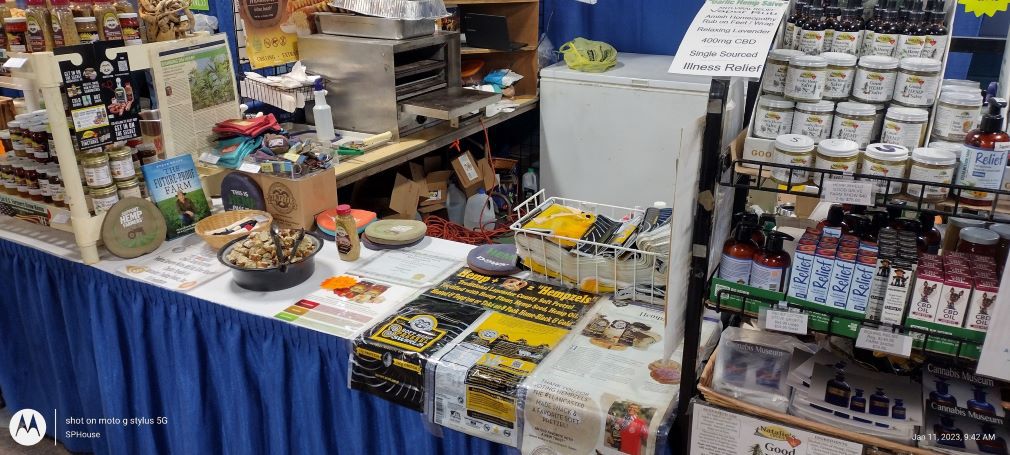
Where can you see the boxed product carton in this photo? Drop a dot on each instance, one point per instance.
(926, 294)
(820, 281)
(896, 297)
(981, 306)
(953, 300)
(294, 203)
(841, 279)
(862, 281)
(802, 268)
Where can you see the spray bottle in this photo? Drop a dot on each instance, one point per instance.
(323, 116)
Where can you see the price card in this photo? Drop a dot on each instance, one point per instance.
(60, 218)
(848, 192)
(884, 341)
(783, 320)
(209, 158)
(729, 38)
(15, 62)
(252, 168)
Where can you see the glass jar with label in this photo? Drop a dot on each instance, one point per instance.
(121, 162)
(148, 153)
(17, 143)
(10, 186)
(792, 150)
(840, 72)
(878, 121)
(885, 160)
(905, 126)
(957, 113)
(104, 198)
(129, 188)
(836, 155)
(16, 29)
(21, 177)
(774, 79)
(5, 140)
(32, 181)
(56, 186)
(875, 77)
(931, 165)
(917, 81)
(773, 116)
(853, 121)
(47, 195)
(813, 119)
(978, 241)
(964, 83)
(87, 29)
(40, 143)
(805, 78)
(96, 170)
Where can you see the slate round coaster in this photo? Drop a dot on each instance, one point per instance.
(368, 243)
(494, 260)
(240, 192)
(396, 232)
(133, 227)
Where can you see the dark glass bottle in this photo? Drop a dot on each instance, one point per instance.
(936, 32)
(838, 391)
(789, 35)
(991, 441)
(947, 434)
(812, 34)
(769, 374)
(831, 21)
(929, 234)
(848, 36)
(868, 29)
(858, 402)
(880, 404)
(942, 394)
(886, 33)
(898, 412)
(913, 39)
(832, 225)
(979, 404)
(986, 152)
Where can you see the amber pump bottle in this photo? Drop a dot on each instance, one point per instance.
(737, 255)
(984, 157)
(771, 264)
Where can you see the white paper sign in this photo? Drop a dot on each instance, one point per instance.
(884, 341)
(786, 321)
(715, 431)
(848, 192)
(251, 168)
(15, 62)
(60, 217)
(995, 359)
(209, 158)
(186, 264)
(729, 38)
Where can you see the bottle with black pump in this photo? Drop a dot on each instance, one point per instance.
(738, 254)
(984, 156)
(771, 264)
(935, 42)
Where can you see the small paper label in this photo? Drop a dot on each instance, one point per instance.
(884, 341)
(209, 158)
(60, 218)
(848, 192)
(784, 321)
(15, 62)
(251, 168)
(1001, 146)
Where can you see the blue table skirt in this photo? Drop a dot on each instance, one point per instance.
(90, 344)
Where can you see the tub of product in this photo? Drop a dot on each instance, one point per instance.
(269, 261)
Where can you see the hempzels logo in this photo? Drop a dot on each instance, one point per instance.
(777, 433)
(28, 427)
(280, 197)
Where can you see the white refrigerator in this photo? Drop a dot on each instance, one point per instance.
(616, 137)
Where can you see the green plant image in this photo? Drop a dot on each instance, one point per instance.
(210, 82)
(174, 220)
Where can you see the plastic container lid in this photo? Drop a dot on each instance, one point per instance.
(960, 83)
(838, 148)
(908, 114)
(794, 143)
(851, 108)
(967, 222)
(954, 147)
(920, 64)
(1003, 230)
(979, 236)
(776, 102)
(819, 106)
(887, 152)
(936, 157)
(343, 209)
(808, 60)
(960, 97)
(878, 62)
(839, 58)
(784, 54)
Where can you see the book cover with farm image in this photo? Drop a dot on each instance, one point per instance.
(174, 186)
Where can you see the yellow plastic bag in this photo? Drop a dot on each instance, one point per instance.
(589, 56)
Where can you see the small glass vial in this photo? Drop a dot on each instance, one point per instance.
(792, 150)
(875, 77)
(885, 160)
(774, 79)
(841, 71)
(905, 126)
(957, 113)
(805, 78)
(931, 165)
(774, 116)
(837, 155)
(854, 121)
(813, 119)
(917, 81)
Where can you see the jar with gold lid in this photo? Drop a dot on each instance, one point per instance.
(104, 198)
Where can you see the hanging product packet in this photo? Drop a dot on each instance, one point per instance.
(753, 366)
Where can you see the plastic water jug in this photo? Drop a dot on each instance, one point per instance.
(479, 211)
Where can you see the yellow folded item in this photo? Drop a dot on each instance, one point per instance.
(589, 56)
(562, 221)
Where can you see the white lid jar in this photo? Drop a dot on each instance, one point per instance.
(853, 121)
(905, 126)
(885, 160)
(931, 165)
(773, 117)
(773, 80)
(836, 155)
(805, 78)
(875, 77)
(957, 113)
(841, 70)
(814, 119)
(960, 83)
(917, 82)
(792, 150)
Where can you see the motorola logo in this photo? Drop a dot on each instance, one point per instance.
(28, 427)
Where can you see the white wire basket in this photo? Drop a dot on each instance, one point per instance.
(632, 274)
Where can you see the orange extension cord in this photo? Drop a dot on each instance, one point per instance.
(444, 229)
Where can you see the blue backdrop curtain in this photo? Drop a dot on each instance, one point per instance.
(93, 345)
(638, 26)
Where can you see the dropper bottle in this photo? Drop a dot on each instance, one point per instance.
(913, 39)
(869, 35)
(936, 32)
(831, 22)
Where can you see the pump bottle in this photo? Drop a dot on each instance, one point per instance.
(984, 157)
(769, 265)
(737, 255)
(832, 225)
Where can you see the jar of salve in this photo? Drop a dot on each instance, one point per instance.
(875, 77)
(805, 78)
(814, 119)
(931, 165)
(853, 121)
(792, 150)
(885, 160)
(917, 81)
(773, 117)
(905, 126)
(841, 70)
(957, 113)
(774, 78)
(836, 155)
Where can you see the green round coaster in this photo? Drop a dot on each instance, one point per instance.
(396, 232)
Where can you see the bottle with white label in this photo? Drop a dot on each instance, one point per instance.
(866, 47)
(912, 41)
(831, 22)
(812, 34)
(769, 266)
(848, 35)
(935, 43)
(984, 159)
(790, 31)
(737, 255)
(885, 36)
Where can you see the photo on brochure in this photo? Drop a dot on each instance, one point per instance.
(627, 428)
(865, 398)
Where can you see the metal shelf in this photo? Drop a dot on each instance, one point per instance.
(756, 177)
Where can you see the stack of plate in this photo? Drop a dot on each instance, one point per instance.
(393, 234)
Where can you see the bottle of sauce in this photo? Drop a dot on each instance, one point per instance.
(812, 35)
(737, 255)
(984, 157)
(929, 234)
(769, 266)
(831, 226)
(40, 37)
(789, 34)
(831, 21)
(848, 36)
(346, 234)
(108, 21)
(936, 32)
